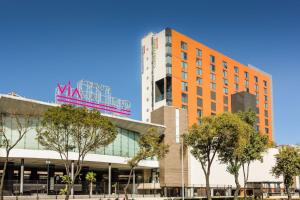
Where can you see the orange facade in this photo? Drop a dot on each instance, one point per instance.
(226, 78)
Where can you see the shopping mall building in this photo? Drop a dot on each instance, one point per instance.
(182, 80)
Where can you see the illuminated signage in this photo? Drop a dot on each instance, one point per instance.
(93, 96)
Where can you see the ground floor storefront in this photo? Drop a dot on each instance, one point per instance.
(27, 177)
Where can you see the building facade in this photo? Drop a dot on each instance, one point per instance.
(32, 168)
(182, 72)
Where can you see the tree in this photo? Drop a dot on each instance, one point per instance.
(204, 142)
(150, 145)
(254, 148)
(91, 178)
(288, 166)
(67, 128)
(23, 125)
(235, 136)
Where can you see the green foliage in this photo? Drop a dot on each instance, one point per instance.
(235, 136)
(150, 146)
(203, 140)
(66, 179)
(67, 128)
(90, 177)
(287, 165)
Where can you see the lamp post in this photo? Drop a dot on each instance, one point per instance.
(48, 163)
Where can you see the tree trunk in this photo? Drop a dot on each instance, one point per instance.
(238, 186)
(128, 182)
(3, 175)
(91, 189)
(245, 182)
(68, 191)
(288, 192)
(208, 192)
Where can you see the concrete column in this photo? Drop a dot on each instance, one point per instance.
(84, 171)
(22, 177)
(51, 172)
(9, 175)
(109, 178)
(72, 176)
(133, 181)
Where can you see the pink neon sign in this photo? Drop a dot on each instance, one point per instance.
(65, 94)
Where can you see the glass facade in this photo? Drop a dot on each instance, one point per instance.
(125, 144)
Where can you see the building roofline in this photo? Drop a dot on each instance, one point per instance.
(247, 65)
(112, 117)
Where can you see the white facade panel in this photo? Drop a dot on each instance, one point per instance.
(259, 171)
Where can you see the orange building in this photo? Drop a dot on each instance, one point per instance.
(179, 71)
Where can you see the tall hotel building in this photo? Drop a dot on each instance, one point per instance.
(181, 72)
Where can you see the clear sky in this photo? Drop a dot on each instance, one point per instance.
(46, 42)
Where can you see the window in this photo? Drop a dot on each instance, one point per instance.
(266, 130)
(265, 84)
(224, 73)
(169, 50)
(199, 62)
(169, 69)
(199, 113)
(266, 122)
(213, 86)
(225, 81)
(198, 52)
(212, 77)
(236, 69)
(246, 83)
(168, 39)
(213, 95)
(225, 108)
(256, 79)
(236, 86)
(199, 102)
(183, 55)
(266, 106)
(183, 45)
(225, 90)
(213, 106)
(184, 65)
(266, 98)
(265, 91)
(246, 74)
(236, 78)
(256, 87)
(257, 102)
(199, 80)
(184, 75)
(266, 113)
(212, 68)
(224, 64)
(257, 110)
(212, 58)
(169, 60)
(184, 107)
(199, 71)
(225, 99)
(184, 86)
(199, 91)
(184, 98)
(256, 127)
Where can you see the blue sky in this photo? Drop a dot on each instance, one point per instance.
(46, 42)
